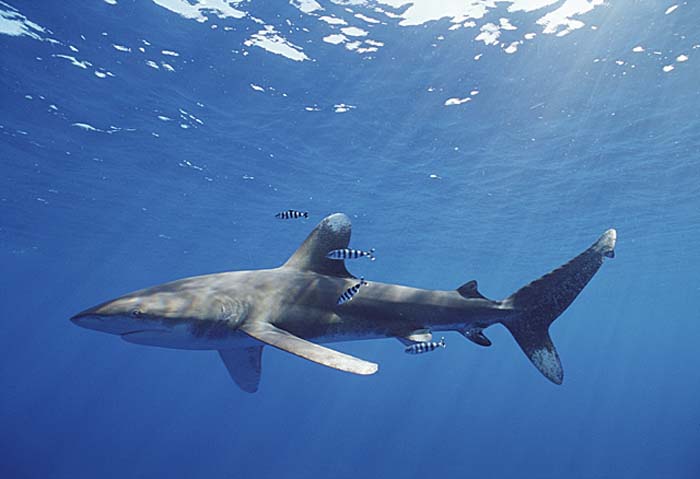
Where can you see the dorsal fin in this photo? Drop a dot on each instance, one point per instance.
(469, 290)
(333, 232)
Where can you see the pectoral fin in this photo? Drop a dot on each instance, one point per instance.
(269, 334)
(243, 365)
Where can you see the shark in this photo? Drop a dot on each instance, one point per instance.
(294, 308)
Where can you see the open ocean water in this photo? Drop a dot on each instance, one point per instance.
(145, 141)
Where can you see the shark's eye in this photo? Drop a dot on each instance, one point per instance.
(135, 313)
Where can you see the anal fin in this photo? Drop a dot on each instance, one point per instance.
(476, 335)
(281, 339)
(244, 366)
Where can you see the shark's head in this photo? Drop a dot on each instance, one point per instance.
(163, 308)
(130, 313)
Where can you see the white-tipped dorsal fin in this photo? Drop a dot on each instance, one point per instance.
(331, 233)
(281, 339)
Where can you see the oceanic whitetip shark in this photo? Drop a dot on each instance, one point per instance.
(294, 307)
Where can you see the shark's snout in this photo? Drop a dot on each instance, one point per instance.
(101, 318)
(89, 319)
(85, 318)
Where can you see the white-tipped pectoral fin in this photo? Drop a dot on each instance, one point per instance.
(281, 339)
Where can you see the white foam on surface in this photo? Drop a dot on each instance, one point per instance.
(366, 18)
(529, 5)
(342, 108)
(306, 6)
(85, 126)
(420, 12)
(556, 17)
(668, 68)
(335, 38)
(332, 20)
(638, 49)
(561, 22)
(74, 61)
(489, 34)
(268, 39)
(374, 43)
(457, 101)
(354, 32)
(682, 58)
(200, 10)
(505, 24)
(15, 24)
(388, 14)
(189, 120)
(512, 48)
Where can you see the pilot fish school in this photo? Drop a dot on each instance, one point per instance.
(312, 299)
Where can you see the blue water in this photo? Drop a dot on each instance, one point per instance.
(566, 137)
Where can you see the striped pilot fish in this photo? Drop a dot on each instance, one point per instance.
(292, 214)
(349, 293)
(347, 253)
(426, 347)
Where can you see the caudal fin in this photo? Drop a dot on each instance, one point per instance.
(539, 303)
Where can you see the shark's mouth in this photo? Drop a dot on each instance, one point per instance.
(141, 331)
(145, 336)
(166, 338)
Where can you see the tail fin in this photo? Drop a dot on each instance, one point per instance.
(539, 303)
